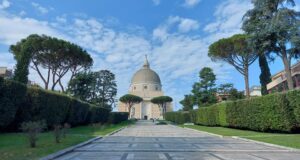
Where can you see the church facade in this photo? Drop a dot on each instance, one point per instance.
(146, 84)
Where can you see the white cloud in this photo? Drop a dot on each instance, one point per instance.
(4, 4)
(187, 25)
(183, 25)
(228, 17)
(191, 3)
(14, 28)
(156, 2)
(40, 8)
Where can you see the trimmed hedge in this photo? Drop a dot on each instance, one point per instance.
(178, 117)
(11, 96)
(21, 104)
(117, 117)
(275, 112)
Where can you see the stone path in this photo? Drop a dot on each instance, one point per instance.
(145, 141)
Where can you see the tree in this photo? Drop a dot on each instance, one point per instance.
(204, 91)
(259, 40)
(233, 93)
(57, 57)
(81, 86)
(188, 102)
(104, 88)
(237, 52)
(275, 26)
(265, 75)
(130, 100)
(162, 102)
(97, 88)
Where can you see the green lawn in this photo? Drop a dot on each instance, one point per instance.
(14, 146)
(289, 140)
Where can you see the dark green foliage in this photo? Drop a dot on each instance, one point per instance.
(236, 51)
(188, 102)
(78, 112)
(278, 112)
(98, 114)
(204, 91)
(11, 96)
(97, 88)
(56, 56)
(178, 117)
(19, 104)
(117, 117)
(267, 113)
(294, 102)
(265, 75)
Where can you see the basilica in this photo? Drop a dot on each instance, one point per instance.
(146, 84)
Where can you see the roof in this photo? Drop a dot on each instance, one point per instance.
(145, 75)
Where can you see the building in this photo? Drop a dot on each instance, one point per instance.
(279, 82)
(146, 84)
(255, 91)
(6, 73)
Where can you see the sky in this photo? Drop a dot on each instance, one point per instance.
(175, 34)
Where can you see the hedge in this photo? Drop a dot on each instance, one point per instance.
(11, 96)
(275, 112)
(20, 104)
(117, 117)
(178, 117)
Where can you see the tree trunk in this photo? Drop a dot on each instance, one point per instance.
(246, 78)
(287, 69)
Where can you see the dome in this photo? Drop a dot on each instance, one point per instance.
(145, 75)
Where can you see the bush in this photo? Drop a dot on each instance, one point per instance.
(178, 117)
(33, 129)
(267, 113)
(11, 96)
(278, 112)
(294, 102)
(57, 132)
(117, 117)
(45, 105)
(20, 104)
(98, 114)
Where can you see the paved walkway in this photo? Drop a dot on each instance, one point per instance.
(145, 141)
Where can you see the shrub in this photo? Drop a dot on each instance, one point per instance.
(178, 117)
(117, 117)
(294, 102)
(98, 114)
(65, 130)
(57, 132)
(267, 113)
(11, 96)
(20, 104)
(33, 129)
(46, 105)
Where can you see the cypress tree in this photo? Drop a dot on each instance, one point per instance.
(265, 75)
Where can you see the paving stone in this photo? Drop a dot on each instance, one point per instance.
(146, 141)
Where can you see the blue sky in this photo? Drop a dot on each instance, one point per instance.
(175, 34)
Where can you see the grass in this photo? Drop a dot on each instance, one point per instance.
(288, 140)
(14, 146)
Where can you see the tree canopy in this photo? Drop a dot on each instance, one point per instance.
(54, 56)
(188, 102)
(273, 28)
(162, 102)
(98, 88)
(204, 90)
(130, 100)
(237, 52)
